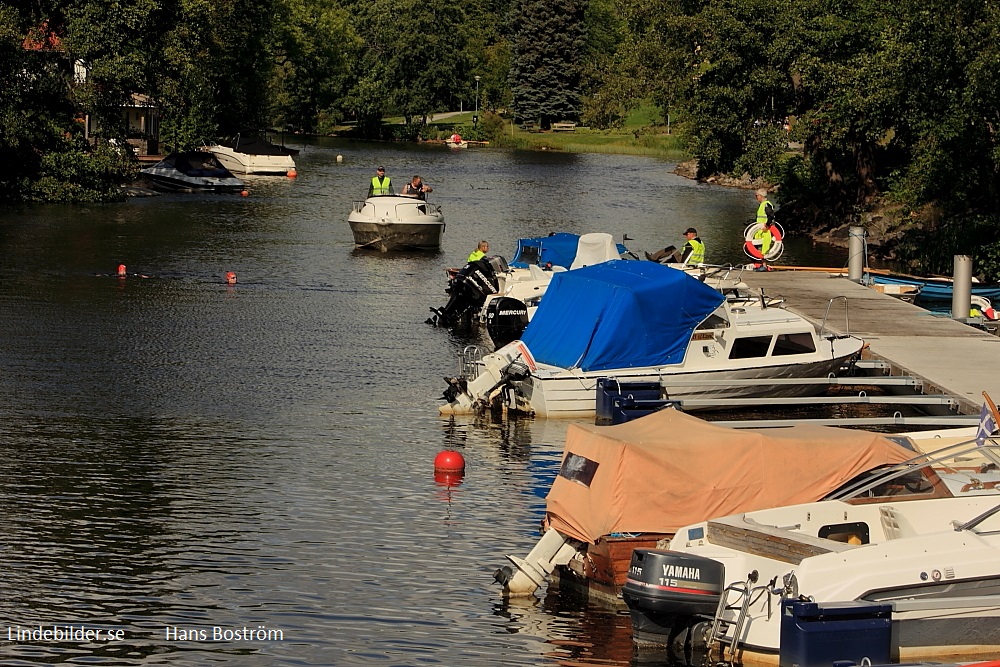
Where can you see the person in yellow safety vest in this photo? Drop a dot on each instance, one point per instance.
(765, 218)
(693, 251)
(479, 252)
(381, 184)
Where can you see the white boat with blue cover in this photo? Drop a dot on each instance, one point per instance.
(644, 322)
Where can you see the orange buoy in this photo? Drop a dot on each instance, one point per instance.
(122, 271)
(449, 461)
(291, 173)
(244, 193)
(230, 278)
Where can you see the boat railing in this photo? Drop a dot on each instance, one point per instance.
(359, 206)
(826, 317)
(469, 365)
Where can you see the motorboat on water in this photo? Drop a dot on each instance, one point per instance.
(396, 222)
(644, 322)
(254, 156)
(631, 485)
(920, 539)
(193, 171)
(519, 285)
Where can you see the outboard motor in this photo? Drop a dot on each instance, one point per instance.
(665, 589)
(506, 319)
(469, 289)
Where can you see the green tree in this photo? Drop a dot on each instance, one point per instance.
(548, 45)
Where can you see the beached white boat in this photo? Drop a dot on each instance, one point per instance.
(644, 322)
(920, 540)
(395, 222)
(192, 171)
(254, 155)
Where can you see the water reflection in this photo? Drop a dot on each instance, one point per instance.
(183, 453)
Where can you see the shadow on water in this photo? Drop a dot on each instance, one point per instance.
(183, 456)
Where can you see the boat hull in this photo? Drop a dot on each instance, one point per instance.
(384, 236)
(245, 163)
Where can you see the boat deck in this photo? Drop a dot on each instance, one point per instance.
(949, 357)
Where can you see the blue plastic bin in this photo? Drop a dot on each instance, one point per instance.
(818, 634)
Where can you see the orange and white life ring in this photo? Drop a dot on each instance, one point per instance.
(754, 243)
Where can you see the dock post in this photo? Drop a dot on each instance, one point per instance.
(856, 254)
(961, 293)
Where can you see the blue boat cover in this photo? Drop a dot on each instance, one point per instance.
(618, 314)
(557, 249)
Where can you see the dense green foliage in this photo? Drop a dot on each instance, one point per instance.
(545, 65)
(889, 105)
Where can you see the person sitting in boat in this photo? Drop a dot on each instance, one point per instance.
(693, 251)
(381, 184)
(479, 252)
(416, 188)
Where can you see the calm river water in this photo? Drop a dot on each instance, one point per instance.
(183, 460)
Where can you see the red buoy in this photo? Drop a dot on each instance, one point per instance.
(122, 271)
(291, 173)
(449, 461)
(244, 193)
(230, 278)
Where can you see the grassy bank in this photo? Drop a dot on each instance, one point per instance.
(638, 136)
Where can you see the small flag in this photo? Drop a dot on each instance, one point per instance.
(987, 424)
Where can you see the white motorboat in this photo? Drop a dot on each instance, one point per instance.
(644, 322)
(630, 485)
(255, 156)
(395, 222)
(921, 540)
(193, 171)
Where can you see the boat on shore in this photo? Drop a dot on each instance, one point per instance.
(632, 485)
(635, 321)
(254, 156)
(192, 171)
(919, 540)
(395, 222)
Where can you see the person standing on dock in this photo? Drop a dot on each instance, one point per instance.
(765, 218)
(381, 184)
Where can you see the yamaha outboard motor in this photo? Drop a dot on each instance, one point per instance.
(469, 289)
(668, 589)
(506, 319)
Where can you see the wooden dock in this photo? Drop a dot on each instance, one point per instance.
(949, 357)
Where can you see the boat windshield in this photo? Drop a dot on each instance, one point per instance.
(964, 468)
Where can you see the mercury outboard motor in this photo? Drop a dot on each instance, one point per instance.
(665, 589)
(469, 289)
(506, 319)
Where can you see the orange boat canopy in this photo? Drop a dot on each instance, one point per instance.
(668, 469)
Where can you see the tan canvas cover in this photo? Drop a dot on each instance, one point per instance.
(668, 469)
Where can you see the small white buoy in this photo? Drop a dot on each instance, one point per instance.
(340, 158)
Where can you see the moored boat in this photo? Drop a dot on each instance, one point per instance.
(630, 485)
(193, 171)
(920, 539)
(254, 155)
(395, 222)
(643, 322)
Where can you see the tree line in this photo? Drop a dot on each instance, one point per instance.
(852, 108)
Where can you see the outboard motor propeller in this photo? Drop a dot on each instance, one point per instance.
(506, 319)
(469, 289)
